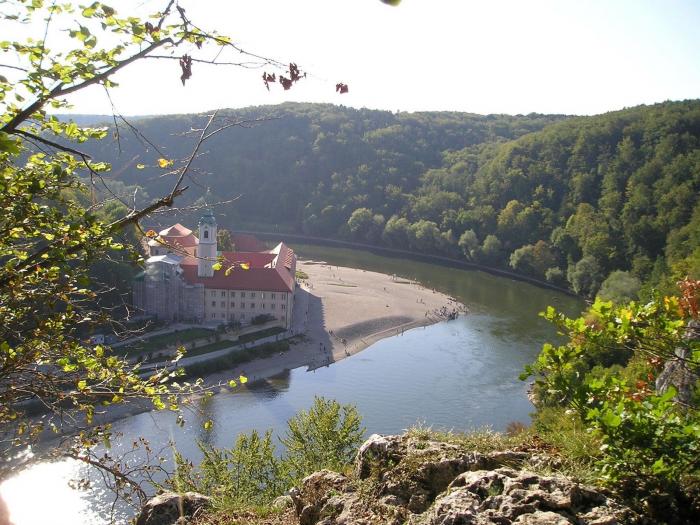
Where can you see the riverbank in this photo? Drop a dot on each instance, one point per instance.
(338, 312)
(341, 311)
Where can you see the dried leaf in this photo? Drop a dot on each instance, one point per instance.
(186, 67)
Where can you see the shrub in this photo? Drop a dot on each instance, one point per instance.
(324, 437)
(251, 474)
(262, 319)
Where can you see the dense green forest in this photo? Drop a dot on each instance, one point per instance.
(608, 200)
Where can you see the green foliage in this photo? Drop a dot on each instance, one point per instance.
(324, 437)
(252, 474)
(224, 240)
(248, 474)
(585, 276)
(621, 188)
(605, 374)
(533, 259)
(58, 232)
(620, 287)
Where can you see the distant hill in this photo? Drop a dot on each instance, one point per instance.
(563, 198)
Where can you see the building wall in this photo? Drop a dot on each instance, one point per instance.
(243, 305)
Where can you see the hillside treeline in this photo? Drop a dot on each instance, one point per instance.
(608, 200)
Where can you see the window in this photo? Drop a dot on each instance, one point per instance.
(242, 294)
(252, 294)
(262, 306)
(242, 305)
(232, 294)
(272, 306)
(223, 316)
(195, 252)
(252, 305)
(233, 305)
(213, 303)
(283, 306)
(223, 294)
(213, 316)
(272, 296)
(223, 304)
(242, 316)
(212, 293)
(206, 234)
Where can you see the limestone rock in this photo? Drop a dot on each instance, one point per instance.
(169, 507)
(403, 479)
(283, 502)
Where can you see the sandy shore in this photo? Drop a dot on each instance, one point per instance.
(342, 311)
(338, 311)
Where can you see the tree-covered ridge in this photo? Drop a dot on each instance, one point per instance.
(563, 199)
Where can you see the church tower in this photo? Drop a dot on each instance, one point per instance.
(207, 249)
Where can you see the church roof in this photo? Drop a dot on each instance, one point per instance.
(247, 243)
(176, 236)
(167, 259)
(176, 230)
(207, 218)
(271, 271)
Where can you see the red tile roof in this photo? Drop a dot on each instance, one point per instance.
(247, 243)
(177, 236)
(269, 271)
(176, 230)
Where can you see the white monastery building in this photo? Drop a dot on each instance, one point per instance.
(180, 282)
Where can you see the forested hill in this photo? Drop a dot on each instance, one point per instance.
(553, 197)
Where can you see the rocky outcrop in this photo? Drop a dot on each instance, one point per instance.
(404, 479)
(170, 508)
(676, 371)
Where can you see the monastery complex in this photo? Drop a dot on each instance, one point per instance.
(188, 279)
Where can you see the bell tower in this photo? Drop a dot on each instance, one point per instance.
(207, 248)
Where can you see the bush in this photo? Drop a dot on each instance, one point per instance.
(645, 434)
(325, 437)
(251, 474)
(262, 319)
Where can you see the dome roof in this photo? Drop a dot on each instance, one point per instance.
(177, 230)
(208, 218)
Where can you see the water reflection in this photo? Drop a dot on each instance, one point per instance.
(454, 375)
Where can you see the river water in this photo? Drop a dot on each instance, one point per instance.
(457, 375)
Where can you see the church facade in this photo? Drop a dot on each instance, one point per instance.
(188, 279)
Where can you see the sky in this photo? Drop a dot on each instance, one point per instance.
(479, 56)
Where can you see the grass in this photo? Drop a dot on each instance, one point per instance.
(225, 343)
(482, 440)
(159, 342)
(254, 336)
(232, 360)
(301, 275)
(253, 516)
(554, 433)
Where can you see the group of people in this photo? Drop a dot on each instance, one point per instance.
(447, 313)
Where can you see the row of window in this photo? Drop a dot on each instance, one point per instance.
(273, 306)
(232, 293)
(241, 317)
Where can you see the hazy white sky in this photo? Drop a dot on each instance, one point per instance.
(481, 56)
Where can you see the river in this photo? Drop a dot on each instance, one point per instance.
(456, 375)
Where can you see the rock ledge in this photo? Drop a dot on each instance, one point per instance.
(404, 479)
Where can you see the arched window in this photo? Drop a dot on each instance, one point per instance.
(206, 234)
